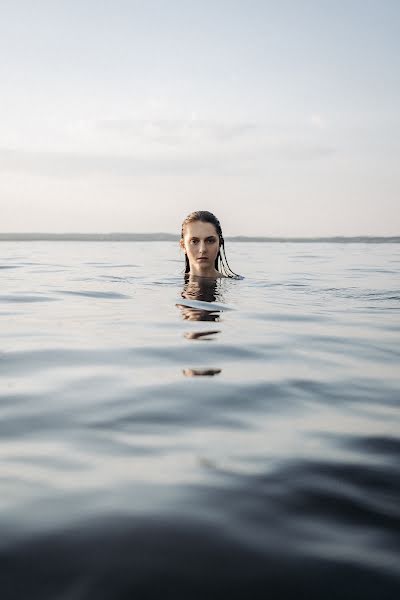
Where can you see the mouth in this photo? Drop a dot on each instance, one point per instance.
(203, 258)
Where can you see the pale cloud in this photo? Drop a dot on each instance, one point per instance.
(318, 121)
(194, 139)
(232, 162)
(79, 164)
(177, 131)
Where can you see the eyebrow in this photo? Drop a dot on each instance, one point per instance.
(210, 237)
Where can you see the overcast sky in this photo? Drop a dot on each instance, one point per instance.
(123, 116)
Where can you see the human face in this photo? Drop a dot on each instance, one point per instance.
(201, 245)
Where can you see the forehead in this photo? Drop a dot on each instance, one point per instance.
(200, 230)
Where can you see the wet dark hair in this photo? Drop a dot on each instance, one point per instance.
(221, 263)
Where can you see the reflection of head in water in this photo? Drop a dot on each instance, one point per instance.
(204, 246)
(201, 288)
(204, 289)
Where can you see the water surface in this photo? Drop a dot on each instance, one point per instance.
(163, 439)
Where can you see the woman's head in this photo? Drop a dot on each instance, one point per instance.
(204, 246)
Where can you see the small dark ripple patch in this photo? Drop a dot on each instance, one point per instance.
(378, 445)
(100, 265)
(96, 294)
(26, 298)
(10, 266)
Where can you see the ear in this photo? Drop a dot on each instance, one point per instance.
(182, 245)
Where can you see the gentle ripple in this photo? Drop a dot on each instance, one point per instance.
(234, 438)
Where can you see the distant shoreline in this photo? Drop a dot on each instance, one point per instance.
(169, 237)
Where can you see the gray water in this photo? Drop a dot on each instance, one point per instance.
(234, 438)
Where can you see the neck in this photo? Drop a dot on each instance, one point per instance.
(211, 272)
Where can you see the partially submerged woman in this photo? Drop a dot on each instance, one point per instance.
(204, 247)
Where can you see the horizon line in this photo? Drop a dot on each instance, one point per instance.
(162, 236)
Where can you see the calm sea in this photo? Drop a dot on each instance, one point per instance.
(236, 439)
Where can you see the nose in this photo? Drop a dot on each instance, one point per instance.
(202, 247)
